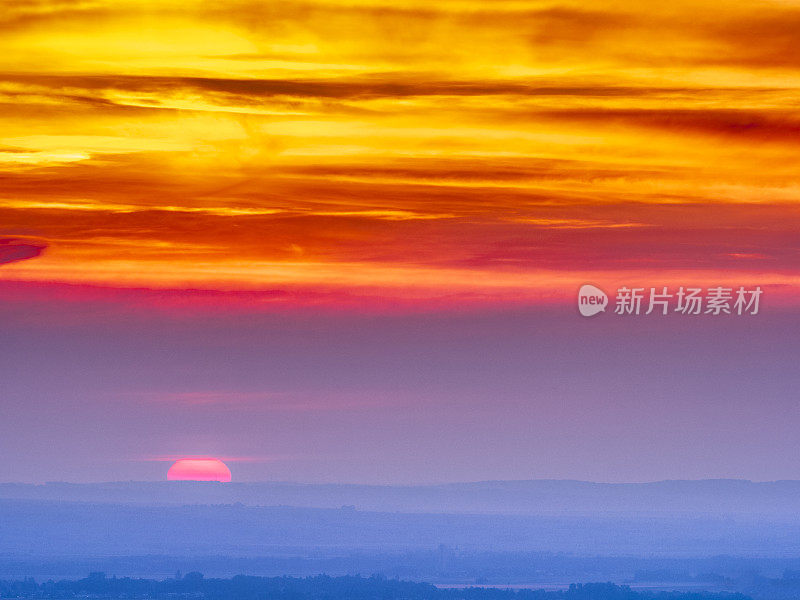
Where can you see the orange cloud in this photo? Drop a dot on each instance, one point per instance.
(398, 148)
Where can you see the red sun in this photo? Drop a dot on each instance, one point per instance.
(199, 469)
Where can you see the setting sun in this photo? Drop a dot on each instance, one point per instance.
(199, 469)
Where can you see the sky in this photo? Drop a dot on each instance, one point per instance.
(341, 241)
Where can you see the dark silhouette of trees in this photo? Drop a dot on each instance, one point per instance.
(322, 587)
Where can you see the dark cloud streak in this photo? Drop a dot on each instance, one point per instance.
(16, 249)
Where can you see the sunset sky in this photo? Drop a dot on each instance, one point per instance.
(316, 236)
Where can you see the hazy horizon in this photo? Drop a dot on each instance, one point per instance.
(410, 484)
(398, 398)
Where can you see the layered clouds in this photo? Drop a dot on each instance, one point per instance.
(401, 149)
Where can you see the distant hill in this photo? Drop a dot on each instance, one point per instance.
(536, 497)
(53, 528)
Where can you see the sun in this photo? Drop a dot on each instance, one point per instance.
(199, 469)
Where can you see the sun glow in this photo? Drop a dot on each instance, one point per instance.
(199, 469)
